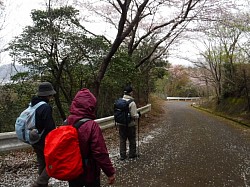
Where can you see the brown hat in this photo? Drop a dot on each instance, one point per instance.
(46, 89)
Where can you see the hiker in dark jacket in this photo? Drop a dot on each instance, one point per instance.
(44, 122)
(93, 148)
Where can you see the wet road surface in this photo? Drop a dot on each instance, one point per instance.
(189, 148)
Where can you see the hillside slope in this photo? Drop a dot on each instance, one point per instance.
(236, 109)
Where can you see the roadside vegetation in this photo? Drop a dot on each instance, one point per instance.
(235, 109)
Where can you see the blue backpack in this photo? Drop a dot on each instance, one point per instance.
(121, 111)
(25, 125)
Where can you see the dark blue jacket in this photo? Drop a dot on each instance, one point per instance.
(44, 119)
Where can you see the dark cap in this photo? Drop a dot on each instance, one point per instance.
(128, 90)
(46, 89)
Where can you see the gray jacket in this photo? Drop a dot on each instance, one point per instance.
(133, 110)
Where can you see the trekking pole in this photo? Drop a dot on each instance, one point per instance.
(138, 137)
(117, 129)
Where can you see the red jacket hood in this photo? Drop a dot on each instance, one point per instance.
(91, 141)
(82, 106)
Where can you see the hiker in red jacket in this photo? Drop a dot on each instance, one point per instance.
(93, 148)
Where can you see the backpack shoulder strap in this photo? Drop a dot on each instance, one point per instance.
(38, 104)
(130, 101)
(81, 122)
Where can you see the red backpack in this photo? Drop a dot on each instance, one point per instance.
(62, 152)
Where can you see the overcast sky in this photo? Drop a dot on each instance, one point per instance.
(18, 16)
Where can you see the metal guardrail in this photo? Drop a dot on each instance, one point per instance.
(9, 141)
(183, 98)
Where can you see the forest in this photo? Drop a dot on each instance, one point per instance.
(58, 48)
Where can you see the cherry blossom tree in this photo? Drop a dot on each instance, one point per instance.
(160, 22)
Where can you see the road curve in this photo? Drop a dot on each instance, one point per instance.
(190, 148)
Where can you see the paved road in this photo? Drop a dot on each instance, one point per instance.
(190, 148)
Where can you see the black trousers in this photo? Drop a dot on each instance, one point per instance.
(43, 177)
(127, 133)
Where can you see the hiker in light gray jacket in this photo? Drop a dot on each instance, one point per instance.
(128, 132)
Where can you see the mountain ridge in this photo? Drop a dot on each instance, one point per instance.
(8, 70)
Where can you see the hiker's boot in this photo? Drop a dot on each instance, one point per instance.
(123, 157)
(133, 156)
